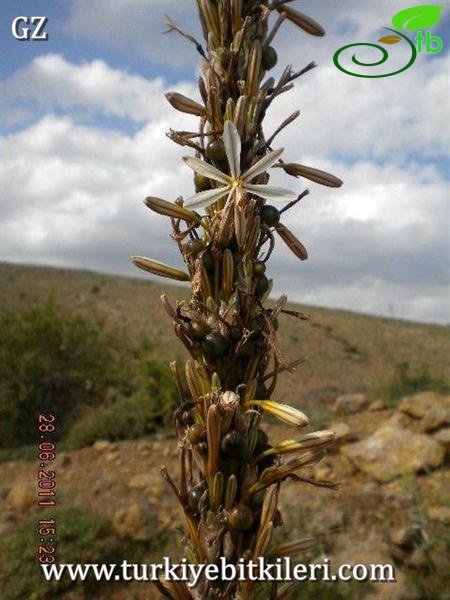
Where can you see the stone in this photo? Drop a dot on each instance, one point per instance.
(406, 537)
(372, 549)
(393, 451)
(101, 445)
(351, 403)
(136, 521)
(435, 417)
(439, 513)
(377, 405)
(431, 407)
(22, 495)
(140, 481)
(443, 437)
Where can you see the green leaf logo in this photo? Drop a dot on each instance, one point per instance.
(417, 17)
(390, 39)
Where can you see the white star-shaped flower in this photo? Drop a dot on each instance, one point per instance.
(237, 181)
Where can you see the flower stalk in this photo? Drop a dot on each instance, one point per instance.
(230, 473)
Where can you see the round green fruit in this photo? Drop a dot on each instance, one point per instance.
(234, 444)
(194, 496)
(241, 517)
(270, 215)
(215, 151)
(214, 345)
(201, 183)
(259, 267)
(269, 58)
(195, 246)
(262, 286)
(196, 433)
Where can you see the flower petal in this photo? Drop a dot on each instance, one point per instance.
(262, 165)
(202, 167)
(232, 143)
(269, 192)
(207, 197)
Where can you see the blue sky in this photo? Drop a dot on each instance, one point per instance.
(83, 124)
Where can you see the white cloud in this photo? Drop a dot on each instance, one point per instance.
(73, 191)
(50, 81)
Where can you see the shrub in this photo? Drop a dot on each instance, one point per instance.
(82, 537)
(148, 409)
(406, 381)
(51, 361)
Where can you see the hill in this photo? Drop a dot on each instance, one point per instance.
(344, 351)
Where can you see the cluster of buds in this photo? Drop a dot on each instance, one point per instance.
(230, 474)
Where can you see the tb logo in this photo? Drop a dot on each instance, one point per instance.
(25, 34)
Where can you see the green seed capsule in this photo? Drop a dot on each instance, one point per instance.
(194, 496)
(259, 267)
(194, 247)
(224, 56)
(234, 444)
(262, 286)
(241, 517)
(214, 345)
(269, 58)
(201, 183)
(208, 261)
(198, 329)
(215, 151)
(270, 215)
(196, 433)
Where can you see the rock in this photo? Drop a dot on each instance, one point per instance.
(439, 513)
(435, 417)
(393, 451)
(136, 521)
(373, 550)
(406, 537)
(443, 437)
(377, 405)
(22, 495)
(431, 407)
(101, 445)
(140, 481)
(351, 403)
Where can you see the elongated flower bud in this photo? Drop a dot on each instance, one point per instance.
(253, 68)
(310, 173)
(292, 242)
(159, 268)
(284, 412)
(310, 440)
(185, 104)
(170, 209)
(227, 273)
(301, 20)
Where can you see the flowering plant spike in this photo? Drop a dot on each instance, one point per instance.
(230, 474)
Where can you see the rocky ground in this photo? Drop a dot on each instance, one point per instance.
(392, 506)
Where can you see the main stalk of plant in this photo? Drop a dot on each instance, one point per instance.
(230, 473)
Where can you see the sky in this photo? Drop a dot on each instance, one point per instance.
(83, 123)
